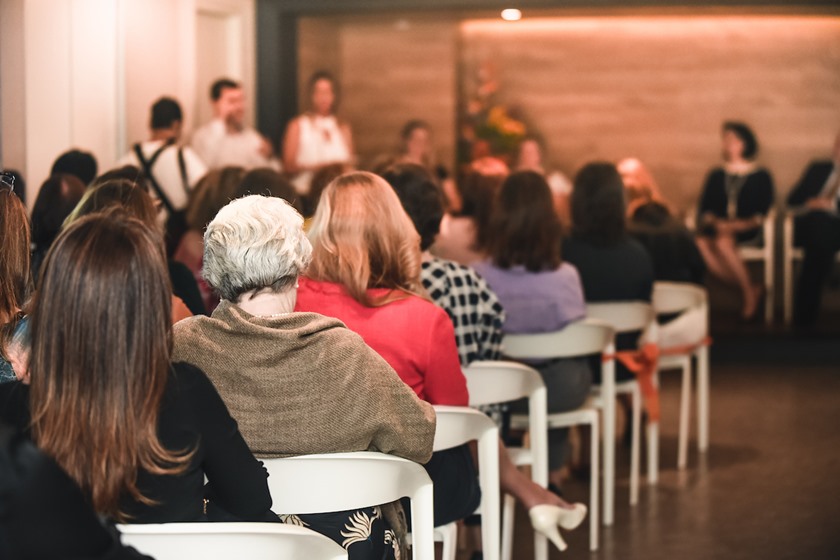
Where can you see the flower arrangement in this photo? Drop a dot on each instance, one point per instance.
(489, 128)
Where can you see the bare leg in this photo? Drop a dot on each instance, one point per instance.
(728, 252)
(714, 261)
(515, 483)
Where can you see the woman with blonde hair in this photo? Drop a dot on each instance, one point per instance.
(365, 271)
(136, 432)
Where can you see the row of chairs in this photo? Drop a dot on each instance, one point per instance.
(344, 481)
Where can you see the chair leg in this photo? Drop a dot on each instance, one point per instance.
(653, 452)
(635, 448)
(609, 459)
(593, 486)
(787, 286)
(685, 411)
(449, 537)
(703, 398)
(507, 527)
(653, 444)
(768, 291)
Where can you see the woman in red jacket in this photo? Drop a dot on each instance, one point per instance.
(365, 271)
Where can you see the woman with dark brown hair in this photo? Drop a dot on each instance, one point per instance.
(134, 431)
(133, 197)
(56, 199)
(15, 280)
(539, 292)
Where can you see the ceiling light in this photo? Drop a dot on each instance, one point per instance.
(511, 14)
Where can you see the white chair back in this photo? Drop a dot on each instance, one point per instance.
(457, 425)
(580, 338)
(491, 382)
(623, 316)
(344, 481)
(223, 541)
(676, 297)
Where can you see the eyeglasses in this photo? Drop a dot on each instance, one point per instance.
(7, 181)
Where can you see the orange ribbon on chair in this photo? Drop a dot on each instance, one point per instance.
(643, 363)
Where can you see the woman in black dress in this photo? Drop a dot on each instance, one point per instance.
(736, 198)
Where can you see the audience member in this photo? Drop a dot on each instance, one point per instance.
(815, 200)
(136, 432)
(210, 195)
(268, 182)
(416, 148)
(58, 196)
(171, 169)
(669, 243)
(15, 179)
(529, 157)
(612, 265)
(226, 140)
(540, 293)
(475, 311)
(15, 279)
(320, 180)
(79, 164)
(733, 205)
(317, 137)
(42, 512)
(463, 236)
(297, 383)
(366, 272)
(136, 201)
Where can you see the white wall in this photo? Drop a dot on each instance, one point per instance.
(84, 73)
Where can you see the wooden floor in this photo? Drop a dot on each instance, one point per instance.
(769, 486)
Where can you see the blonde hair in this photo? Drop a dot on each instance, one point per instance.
(362, 238)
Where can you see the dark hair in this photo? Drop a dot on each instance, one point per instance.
(323, 177)
(220, 85)
(129, 173)
(526, 230)
(268, 182)
(421, 198)
(77, 163)
(324, 75)
(116, 193)
(58, 196)
(598, 204)
(412, 125)
(165, 112)
(478, 193)
(746, 135)
(211, 193)
(18, 183)
(95, 409)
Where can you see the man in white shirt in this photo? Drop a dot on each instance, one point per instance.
(172, 170)
(226, 140)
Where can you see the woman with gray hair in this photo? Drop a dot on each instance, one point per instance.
(297, 383)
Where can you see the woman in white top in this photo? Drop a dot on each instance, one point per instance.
(316, 138)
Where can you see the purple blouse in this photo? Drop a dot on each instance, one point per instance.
(536, 302)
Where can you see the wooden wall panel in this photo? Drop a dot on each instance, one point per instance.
(391, 69)
(659, 87)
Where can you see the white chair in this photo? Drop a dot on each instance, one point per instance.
(765, 253)
(494, 382)
(581, 338)
(671, 298)
(624, 317)
(223, 541)
(458, 425)
(790, 254)
(345, 481)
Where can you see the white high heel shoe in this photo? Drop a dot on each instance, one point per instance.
(546, 518)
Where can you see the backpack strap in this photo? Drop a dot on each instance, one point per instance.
(147, 170)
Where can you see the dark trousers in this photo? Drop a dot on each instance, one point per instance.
(818, 233)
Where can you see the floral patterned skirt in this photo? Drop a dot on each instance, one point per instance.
(364, 533)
